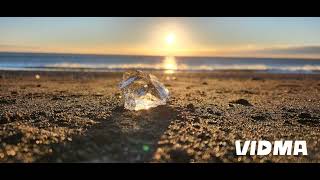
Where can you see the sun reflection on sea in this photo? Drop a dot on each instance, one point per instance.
(169, 65)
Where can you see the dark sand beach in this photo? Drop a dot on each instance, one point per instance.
(79, 117)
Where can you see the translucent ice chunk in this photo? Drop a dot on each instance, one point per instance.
(142, 90)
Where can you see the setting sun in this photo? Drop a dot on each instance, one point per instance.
(170, 39)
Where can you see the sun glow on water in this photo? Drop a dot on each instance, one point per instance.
(169, 65)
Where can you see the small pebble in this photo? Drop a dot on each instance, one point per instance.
(37, 76)
(191, 107)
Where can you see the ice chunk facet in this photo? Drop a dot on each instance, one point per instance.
(142, 90)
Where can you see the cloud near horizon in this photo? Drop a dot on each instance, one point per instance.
(281, 51)
(18, 48)
(306, 50)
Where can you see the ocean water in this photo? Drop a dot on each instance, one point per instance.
(73, 62)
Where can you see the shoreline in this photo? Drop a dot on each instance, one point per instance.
(209, 74)
(164, 71)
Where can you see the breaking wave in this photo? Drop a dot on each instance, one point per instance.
(185, 67)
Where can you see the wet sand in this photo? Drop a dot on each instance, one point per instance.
(79, 117)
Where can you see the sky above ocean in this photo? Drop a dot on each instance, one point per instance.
(210, 36)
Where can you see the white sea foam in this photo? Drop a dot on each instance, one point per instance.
(185, 67)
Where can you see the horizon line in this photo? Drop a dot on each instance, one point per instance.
(187, 56)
